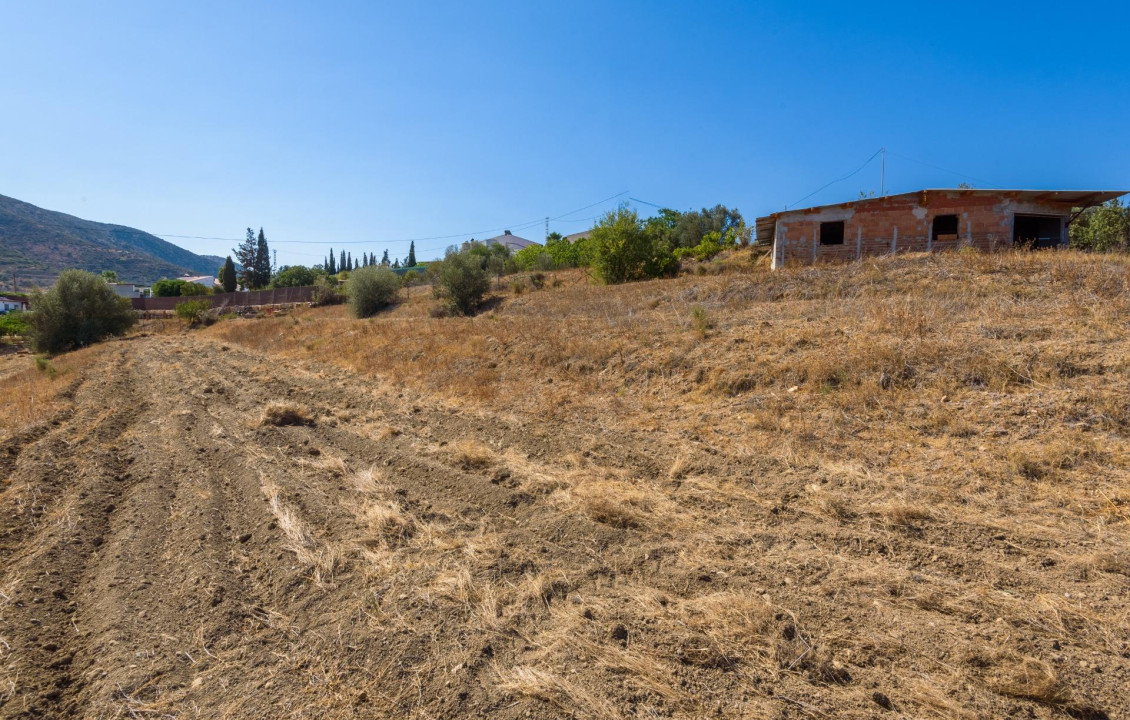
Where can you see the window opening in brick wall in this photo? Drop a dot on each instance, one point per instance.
(832, 233)
(1037, 231)
(945, 227)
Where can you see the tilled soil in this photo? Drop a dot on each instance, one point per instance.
(166, 553)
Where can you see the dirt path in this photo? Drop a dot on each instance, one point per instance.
(166, 554)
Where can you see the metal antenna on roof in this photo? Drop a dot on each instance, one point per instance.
(883, 175)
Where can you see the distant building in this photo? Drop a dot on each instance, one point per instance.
(925, 221)
(206, 280)
(578, 236)
(129, 290)
(8, 305)
(510, 241)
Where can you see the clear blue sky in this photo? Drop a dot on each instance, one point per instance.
(376, 122)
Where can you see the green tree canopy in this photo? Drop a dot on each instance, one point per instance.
(293, 276)
(168, 288)
(1102, 228)
(622, 250)
(461, 280)
(189, 289)
(78, 310)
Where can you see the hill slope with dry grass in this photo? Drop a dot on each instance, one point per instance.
(896, 487)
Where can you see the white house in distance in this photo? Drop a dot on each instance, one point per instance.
(512, 242)
(8, 305)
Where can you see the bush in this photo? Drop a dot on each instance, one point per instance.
(193, 290)
(326, 292)
(533, 257)
(371, 289)
(168, 288)
(293, 276)
(79, 310)
(194, 312)
(622, 249)
(14, 323)
(711, 244)
(461, 281)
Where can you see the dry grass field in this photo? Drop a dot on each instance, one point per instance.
(894, 488)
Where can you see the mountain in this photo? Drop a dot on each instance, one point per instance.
(37, 244)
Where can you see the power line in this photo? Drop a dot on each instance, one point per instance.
(941, 169)
(845, 177)
(513, 226)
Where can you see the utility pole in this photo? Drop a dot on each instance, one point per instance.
(546, 227)
(883, 175)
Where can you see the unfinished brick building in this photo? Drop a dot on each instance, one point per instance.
(926, 221)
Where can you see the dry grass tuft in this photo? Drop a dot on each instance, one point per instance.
(904, 514)
(525, 681)
(283, 414)
(471, 455)
(1030, 679)
(610, 512)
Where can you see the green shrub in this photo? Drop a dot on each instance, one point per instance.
(326, 292)
(461, 281)
(533, 257)
(193, 312)
(371, 289)
(43, 365)
(622, 249)
(168, 288)
(701, 320)
(79, 310)
(14, 323)
(193, 290)
(293, 276)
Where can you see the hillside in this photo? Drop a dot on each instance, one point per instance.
(895, 488)
(37, 244)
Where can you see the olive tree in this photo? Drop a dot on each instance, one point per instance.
(78, 310)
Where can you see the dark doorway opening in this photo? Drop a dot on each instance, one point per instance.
(945, 227)
(832, 233)
(1037, 231)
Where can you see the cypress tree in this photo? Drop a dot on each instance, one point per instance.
(384, 260)
(227, 275)
(349, 260)
(410, 261)
(262, 262)
(331, 268)
(341, 263)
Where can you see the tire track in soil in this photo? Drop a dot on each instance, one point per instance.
(57, 511)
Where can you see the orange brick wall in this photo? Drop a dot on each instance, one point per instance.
(902, 223)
